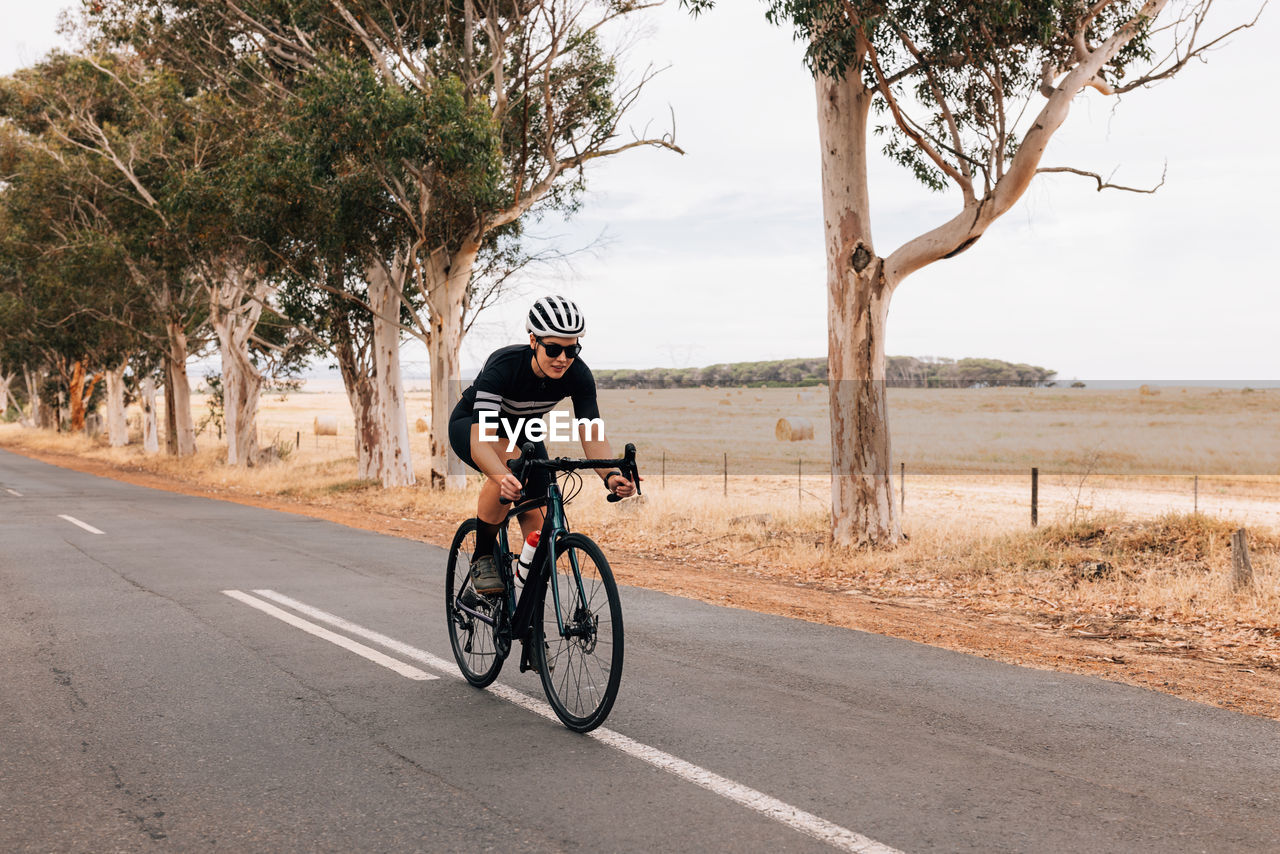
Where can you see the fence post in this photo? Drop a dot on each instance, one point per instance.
(297, 440)
(726, 474)
(799, 481)
(1241, 568)
(1035, 496)
(664, 469)
(902, 489)
(1196, 505)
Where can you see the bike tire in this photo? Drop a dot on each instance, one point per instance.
(474, 642)
(580, 674)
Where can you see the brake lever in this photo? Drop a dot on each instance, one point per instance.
(517, 467)
(629, 471)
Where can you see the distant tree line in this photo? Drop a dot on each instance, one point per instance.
(901, 372)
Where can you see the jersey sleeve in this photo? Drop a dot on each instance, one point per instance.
(488, 386)
(584, 394)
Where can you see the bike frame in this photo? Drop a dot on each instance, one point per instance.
(519, 613)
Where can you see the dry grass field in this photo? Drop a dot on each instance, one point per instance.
(1119, 559)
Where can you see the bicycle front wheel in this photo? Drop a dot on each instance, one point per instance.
(474, 640)
(578, 637)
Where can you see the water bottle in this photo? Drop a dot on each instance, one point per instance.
(526, 555)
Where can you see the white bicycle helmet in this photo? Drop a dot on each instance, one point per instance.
(555, 317)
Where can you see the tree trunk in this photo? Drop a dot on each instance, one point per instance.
(80, 393)
(235, 308)
(34, 379)
(361, 396)
(446, 298)
(385, 287)
(5, 381)
(862, 506)
(170, 420)
(178, 393)
(117, 427)
(150, 439)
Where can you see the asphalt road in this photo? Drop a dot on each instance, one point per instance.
(143, 708)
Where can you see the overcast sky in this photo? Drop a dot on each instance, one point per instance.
(717, 255)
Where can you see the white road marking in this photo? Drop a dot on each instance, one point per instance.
(333, 637)
(74, 521)
(15, 493)
(797, 819)
(446, 666)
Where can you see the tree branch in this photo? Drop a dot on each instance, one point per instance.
(1106, 184)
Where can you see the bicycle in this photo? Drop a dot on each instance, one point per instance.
(572, 637)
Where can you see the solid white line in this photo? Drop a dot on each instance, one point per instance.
(793, 817)
(74, 521)
(445, 666)
(15, 493)
(333, 637)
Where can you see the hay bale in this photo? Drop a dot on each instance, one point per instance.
(422, 425)
(726, 402)
(325, 425)
(793, 429)
(759, 398)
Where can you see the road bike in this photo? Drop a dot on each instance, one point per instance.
(566, 613)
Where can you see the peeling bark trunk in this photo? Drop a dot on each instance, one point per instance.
(385, 287)
(862, 506)
(6, 380)
(33, 379)
(361, 396)
(150, 430)
(117, 427)
(446, 298)
(178, 393)
(80, 394)
(170, 423)
(235, 308)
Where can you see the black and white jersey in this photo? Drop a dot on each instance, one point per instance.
(508, 387)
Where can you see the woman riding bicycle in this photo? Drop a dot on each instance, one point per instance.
(525, 382)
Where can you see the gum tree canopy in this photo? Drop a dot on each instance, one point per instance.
(544, 76)
(966, 96)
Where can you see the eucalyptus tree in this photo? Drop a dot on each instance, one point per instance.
(316, 193)
(539, 72)
(131, 135)
(69, 304)
(968, 96)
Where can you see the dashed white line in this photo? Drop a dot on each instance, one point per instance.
(74, 521)
(333, 637)
(797, 819)
(15, 493)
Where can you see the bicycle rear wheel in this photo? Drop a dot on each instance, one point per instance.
(474, 642)
(578, 641)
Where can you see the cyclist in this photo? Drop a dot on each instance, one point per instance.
(525, 381)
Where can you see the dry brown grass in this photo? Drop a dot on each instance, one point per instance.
(1119, 557)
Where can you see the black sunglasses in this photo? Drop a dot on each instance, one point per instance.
(554, 350)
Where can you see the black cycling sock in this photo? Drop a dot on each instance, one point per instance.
(486, 537)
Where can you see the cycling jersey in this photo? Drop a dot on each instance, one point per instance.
(508, 387)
